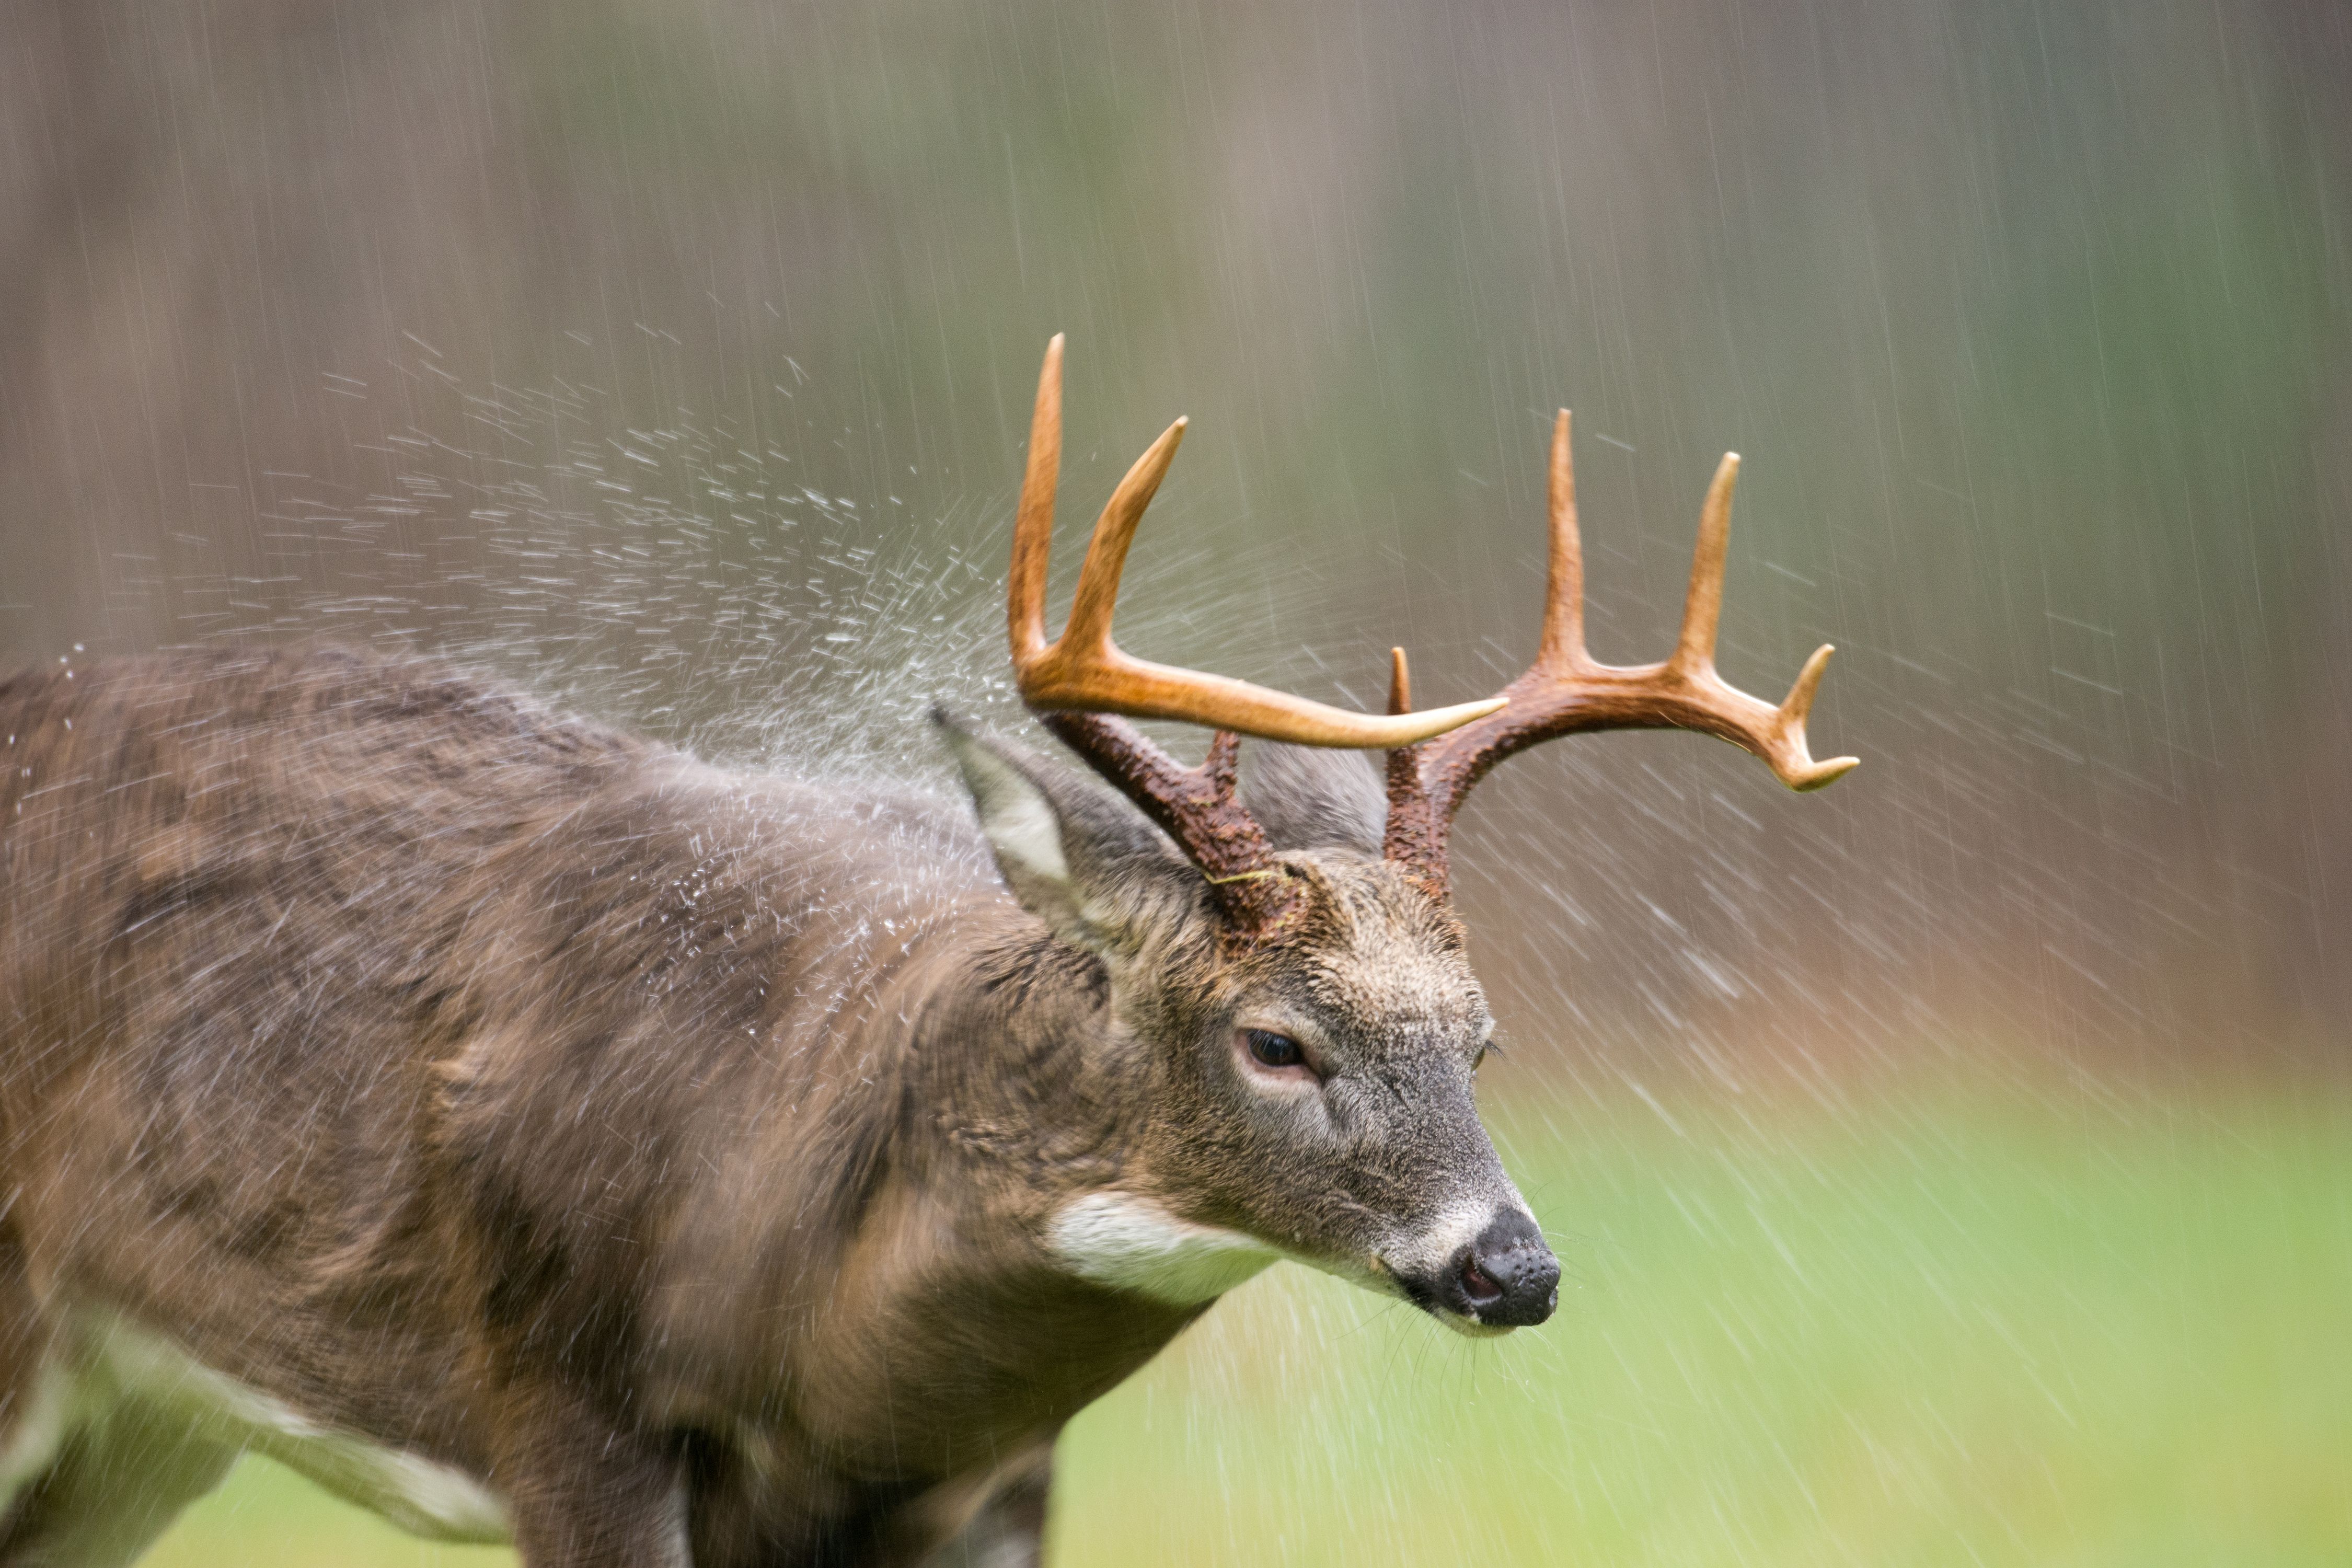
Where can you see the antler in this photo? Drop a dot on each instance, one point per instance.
(1081, 678)
(1084, 670)
(1566, 691)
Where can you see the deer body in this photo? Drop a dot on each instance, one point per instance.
(533, 1132)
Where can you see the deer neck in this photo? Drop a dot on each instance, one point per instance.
(999, 1266)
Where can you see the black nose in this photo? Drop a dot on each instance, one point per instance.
(1507, 1276)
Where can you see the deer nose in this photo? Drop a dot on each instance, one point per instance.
(1507, 1278)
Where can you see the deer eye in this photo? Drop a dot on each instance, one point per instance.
(1272, 1050)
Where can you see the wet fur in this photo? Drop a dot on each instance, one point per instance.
(674, 1151)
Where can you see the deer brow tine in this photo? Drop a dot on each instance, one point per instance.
(1400, 682)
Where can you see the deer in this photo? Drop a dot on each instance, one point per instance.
(537, 1134)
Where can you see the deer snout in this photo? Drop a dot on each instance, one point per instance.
(1505, 1277)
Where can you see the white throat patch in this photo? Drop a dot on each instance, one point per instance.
(1131, 1243)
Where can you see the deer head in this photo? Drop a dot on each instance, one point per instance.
(1289, 999)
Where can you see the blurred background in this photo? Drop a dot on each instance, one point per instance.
(1955, 1166)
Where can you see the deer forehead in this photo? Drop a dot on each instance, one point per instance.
(1404, 1002)
(1385, 964)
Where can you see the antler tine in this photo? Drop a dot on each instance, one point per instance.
(1800, 773)
(1033, 522)
(1400, 682)
(1563, 632)
(1703, 605)
(1777, 734)
(1084, 670)
(1090, 609)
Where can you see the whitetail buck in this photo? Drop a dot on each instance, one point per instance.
(536, 1134)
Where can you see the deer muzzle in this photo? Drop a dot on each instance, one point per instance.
(1504, 1278)
(1486, 1271)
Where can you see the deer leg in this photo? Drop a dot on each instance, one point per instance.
(55, 1435)
(586, 1493)
(120, 1478)
(35, 1391)
(996, 1519)
(86, 1477)
(1008, 1531)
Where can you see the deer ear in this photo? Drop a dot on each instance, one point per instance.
(1078, 857)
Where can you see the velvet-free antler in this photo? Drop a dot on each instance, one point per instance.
(1084, 671)
(1079, 680)
(1567, 690)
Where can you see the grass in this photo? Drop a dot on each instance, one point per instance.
(1924, 1328)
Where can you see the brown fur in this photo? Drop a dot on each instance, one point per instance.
(649, 1141)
